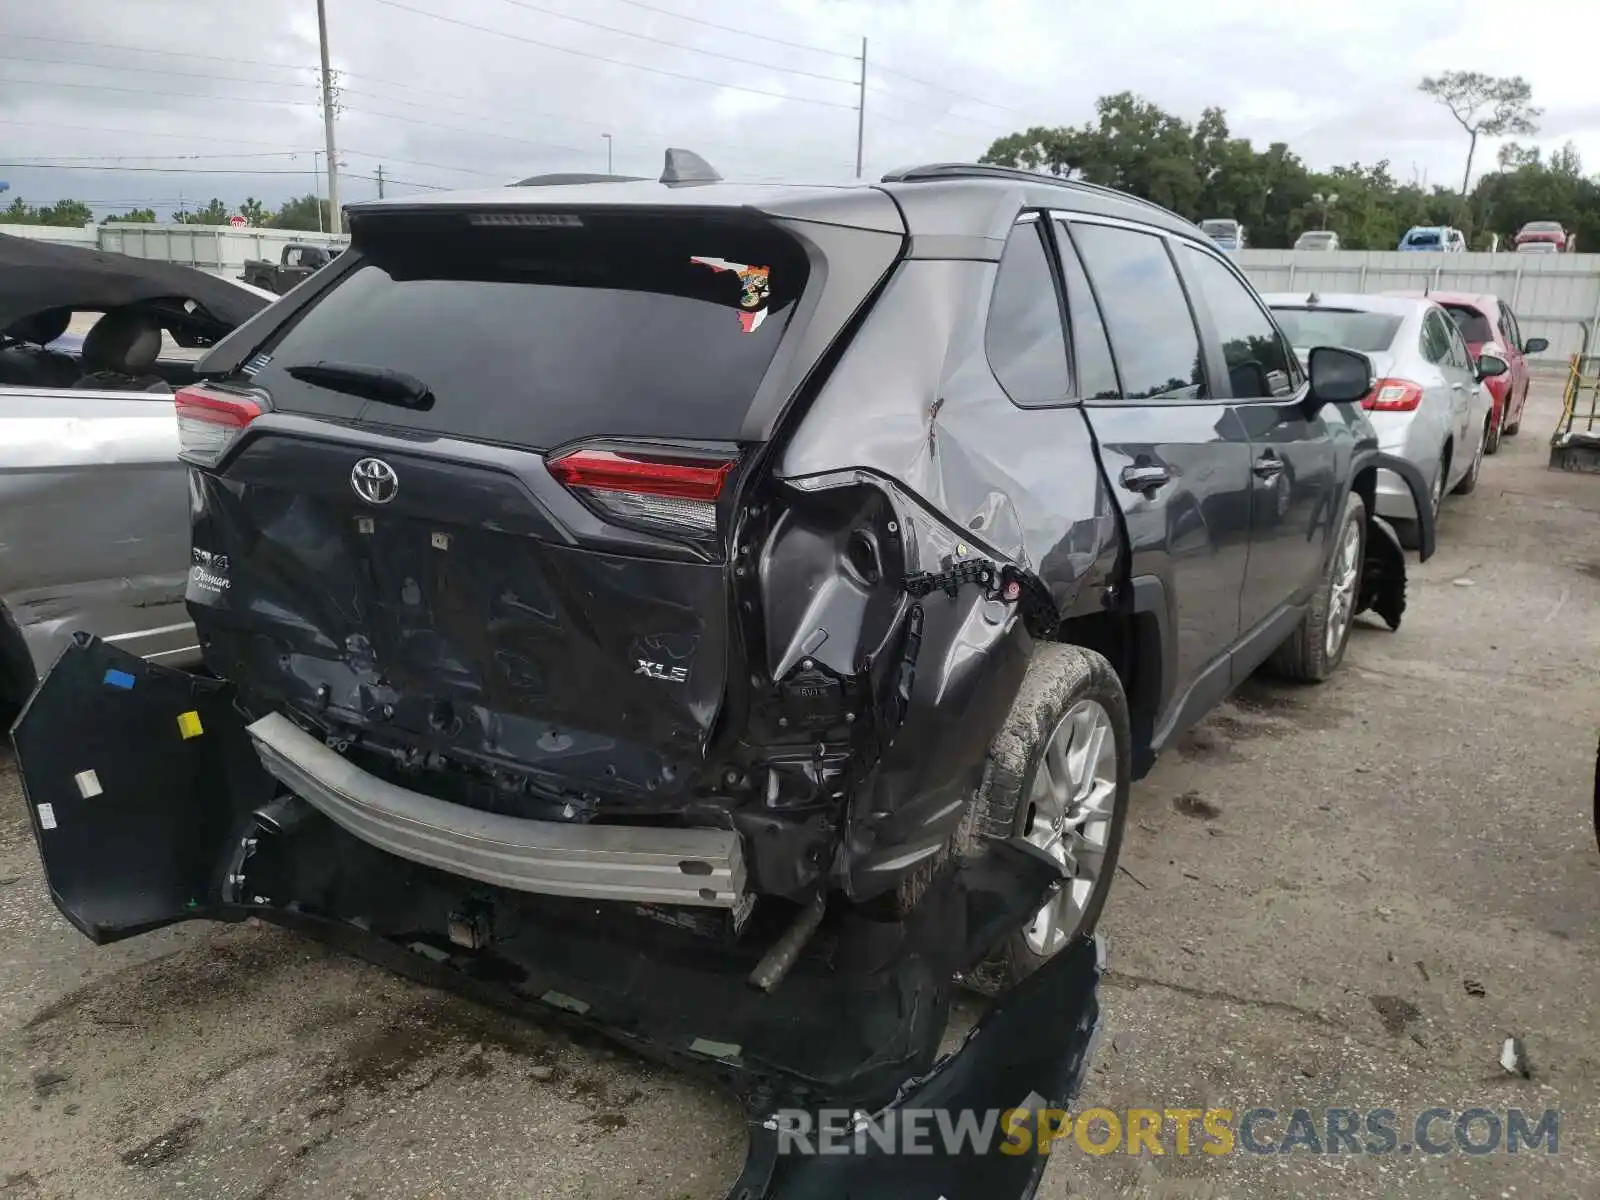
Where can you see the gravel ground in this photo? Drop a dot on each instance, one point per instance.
(1313, 878)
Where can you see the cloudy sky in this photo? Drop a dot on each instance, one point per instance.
(195, 98)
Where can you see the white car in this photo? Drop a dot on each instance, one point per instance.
(1428, 403)
(1317, 239)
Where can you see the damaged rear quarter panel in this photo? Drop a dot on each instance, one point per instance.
(914, 410)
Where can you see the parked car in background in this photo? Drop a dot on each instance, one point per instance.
(93, 500)
(1317, 239)
(1225, 233)
(1434, 238)
(641, 583)
(1546, 233)
(294, 265)
(1427, 401)
(1488, 324)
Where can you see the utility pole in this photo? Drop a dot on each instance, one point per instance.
(861, 108)
(327, 121)
(380, 181)
(607, 137)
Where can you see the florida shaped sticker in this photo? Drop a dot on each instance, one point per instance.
(756, 284)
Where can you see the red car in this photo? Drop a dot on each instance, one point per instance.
(1545, 231)
(1487, 323)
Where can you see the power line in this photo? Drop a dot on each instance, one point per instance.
(517, 37)
(75, 62)
(471, 132)
(760, 37)
(106, 87)
(645, 37)
(159, 170)
(413, 162)
(249, 62)
(186, 137)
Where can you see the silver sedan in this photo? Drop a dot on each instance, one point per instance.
(1427, 404)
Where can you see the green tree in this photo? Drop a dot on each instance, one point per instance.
(215, 212)
(301, 213)
(253, 211)
(144, 216)
(1485, 106)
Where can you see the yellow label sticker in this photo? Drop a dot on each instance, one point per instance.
(189, 725)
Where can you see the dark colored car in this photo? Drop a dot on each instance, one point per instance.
(1487, 323)
(295, 264)
(703, 548)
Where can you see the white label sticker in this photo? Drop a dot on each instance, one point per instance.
(88, 784)
(47, 816)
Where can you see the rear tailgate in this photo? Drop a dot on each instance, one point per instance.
(516, 560)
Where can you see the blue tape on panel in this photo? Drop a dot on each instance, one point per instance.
(118, 679)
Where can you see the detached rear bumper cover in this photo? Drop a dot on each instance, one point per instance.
(596, 862)
(145, 791)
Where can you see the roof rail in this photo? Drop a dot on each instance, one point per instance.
(932, 171)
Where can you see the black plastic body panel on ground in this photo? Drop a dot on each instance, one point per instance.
(181, 822)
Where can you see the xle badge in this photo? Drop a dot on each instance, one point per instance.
(666, 674)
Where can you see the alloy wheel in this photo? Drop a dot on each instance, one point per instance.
(1342, 590)
(1070, 809)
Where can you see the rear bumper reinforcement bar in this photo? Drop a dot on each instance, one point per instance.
(599, 862)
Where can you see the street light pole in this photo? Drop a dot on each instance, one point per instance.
(607, 137)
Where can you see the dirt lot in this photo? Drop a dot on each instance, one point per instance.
(1311, 883)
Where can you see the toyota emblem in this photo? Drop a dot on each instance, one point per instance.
(374, 481)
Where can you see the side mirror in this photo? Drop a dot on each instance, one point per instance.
(1490, 366)
(1338, 376)
(1536, 346)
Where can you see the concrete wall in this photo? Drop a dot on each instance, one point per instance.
(1555, 296)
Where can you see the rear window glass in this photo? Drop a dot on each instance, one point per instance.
(1307, 328)
(1473, 324)
(1422, 239)
(539, 336)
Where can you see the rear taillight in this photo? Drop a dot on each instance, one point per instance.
(209, 421)
(1393, 395)
(669, 493)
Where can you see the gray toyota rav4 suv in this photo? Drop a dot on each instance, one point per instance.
(697, 547)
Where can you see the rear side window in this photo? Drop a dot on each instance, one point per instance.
(1259, 363)
(539, 336)
(1097, 374)
(1422, 239)
(1435, 337)
(1024, 340)
(1146, 312)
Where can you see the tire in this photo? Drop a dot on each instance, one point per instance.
(1407, 530)
(1468, 483)
(1491, 444)
(1073, 694)
(1511, 430)
(1306, 654)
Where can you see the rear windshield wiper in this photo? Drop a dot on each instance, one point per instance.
(379, 384)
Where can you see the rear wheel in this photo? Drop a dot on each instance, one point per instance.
(1409, 532)
(1058, 776)
(1314, 651)
(1511, 429)
(1497, 420)
(1469, 482)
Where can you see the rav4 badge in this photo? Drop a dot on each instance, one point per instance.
(666, 674)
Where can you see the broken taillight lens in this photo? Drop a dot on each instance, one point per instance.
(209, 421)
(667, 493)
(1393, 395)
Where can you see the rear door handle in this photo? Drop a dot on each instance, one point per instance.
(1268, 466)
(1145, 477)
(1458, 387)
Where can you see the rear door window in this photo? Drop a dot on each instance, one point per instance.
(1024, 340)
(1435, 337)
(1260, 364)
(1474, 326)
(1146, 312)
(538, 336)
(1091, 351)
